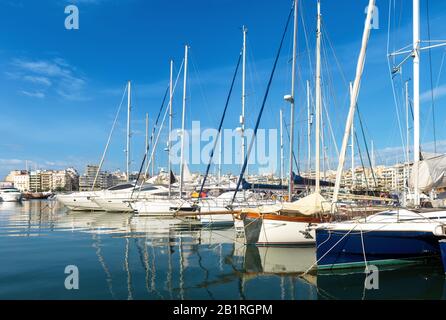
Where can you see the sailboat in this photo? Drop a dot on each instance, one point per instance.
(168, 202)
(292, 223)
(83, 200)
(389, 237)
(219, 210)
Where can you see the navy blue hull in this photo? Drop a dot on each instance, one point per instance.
(381, 247)
(443, 253)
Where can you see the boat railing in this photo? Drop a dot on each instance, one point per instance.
(358, 210)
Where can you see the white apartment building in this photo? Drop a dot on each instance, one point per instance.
(21, 182)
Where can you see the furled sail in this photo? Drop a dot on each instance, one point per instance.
(432, 174)
(309, 205)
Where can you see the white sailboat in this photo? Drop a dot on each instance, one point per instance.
(83, 200)
(168, 203)
(292, 223)
(390, 237)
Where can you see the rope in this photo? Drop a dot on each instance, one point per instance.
(363, 251)
(108, 140)
(431, 77)
(328, 251)
(366, 146)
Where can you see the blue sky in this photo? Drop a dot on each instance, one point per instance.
(60, 88)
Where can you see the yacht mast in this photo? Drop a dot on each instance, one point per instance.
(220, 146)
(352, 143)
(169, 146)
(416, 98)
(127, 151)
(318, 99)
(354, 99)
(183, 120)
(407, 123)
(281, 147)
(310, 121)
(147, 134)
(292, 101)
(242, 117)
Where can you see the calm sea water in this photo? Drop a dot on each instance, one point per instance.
(123, 256)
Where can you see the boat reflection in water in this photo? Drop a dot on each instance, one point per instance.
(125, 256)
(405, 282)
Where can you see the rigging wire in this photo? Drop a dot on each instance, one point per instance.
(362, 161)
(431, 77)
(211, 156)
(148, 146)
(109, 138)
(366, 145)
(262, 107)
(390, 61)
(294, 155)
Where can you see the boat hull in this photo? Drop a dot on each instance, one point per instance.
(442, 245)
(158, 207)
(344, 249)
(11, 197)
(113, 204)
(78, 202)
(276, 230)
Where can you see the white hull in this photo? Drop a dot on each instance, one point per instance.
(276, 232)
(217, 219)
(11, 197)
(286, 233)
(79, 201)
(158, 207)
(220, 204)
(113, 204)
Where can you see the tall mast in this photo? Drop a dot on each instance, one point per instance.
(292, 101)
(169, 146)
(354, 99)
(416, 97)
(147, 134)
(318, 99)
(407, 160)
(127, 150)
(407, 123)
(281, 147)
(146, 144)
(310, 120)
(219, 158)
(352, 142)
(183, 120)
(242, 117)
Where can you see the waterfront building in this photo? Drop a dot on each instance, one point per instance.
(104, 179)
(21, 181)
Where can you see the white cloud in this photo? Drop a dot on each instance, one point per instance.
(38, 80)
(438, 93)
(35, 94)
(55, 74)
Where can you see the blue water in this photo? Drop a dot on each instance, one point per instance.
(122, 256)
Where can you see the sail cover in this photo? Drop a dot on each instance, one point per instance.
(309, 205)
(432, 174)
